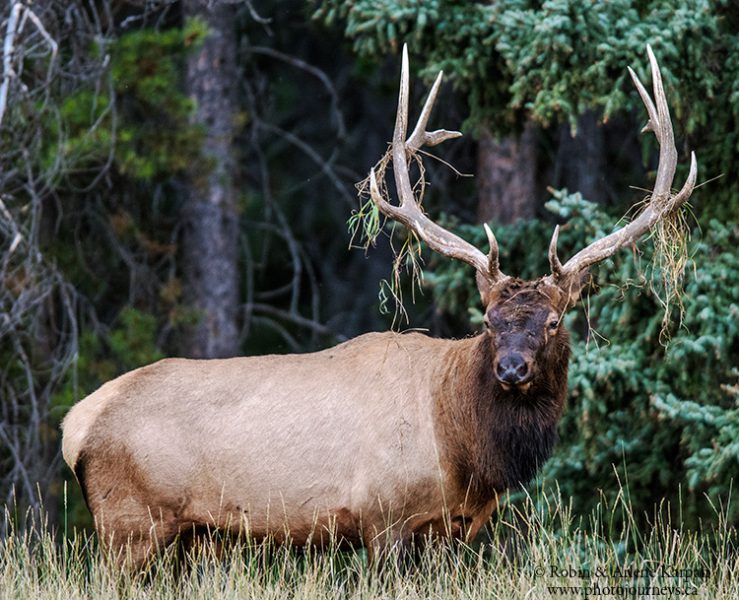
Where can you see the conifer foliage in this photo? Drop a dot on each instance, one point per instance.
(658, 406)
(661, 414)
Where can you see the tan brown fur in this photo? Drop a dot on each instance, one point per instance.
(372, 442)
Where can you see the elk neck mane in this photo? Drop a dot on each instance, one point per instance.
(493, 439)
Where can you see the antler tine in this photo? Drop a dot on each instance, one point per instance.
(421, 137)
(662, 129)
(554, 262)
(408, 212)
(401, 126)
(493, 264)
(661, 203)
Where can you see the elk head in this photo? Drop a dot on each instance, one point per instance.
(523, 319)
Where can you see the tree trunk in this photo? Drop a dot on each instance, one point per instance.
(211, 230)
(507, 176)
(580, 163)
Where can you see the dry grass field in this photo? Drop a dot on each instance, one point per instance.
(534, 548)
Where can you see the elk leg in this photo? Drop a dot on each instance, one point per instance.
(132, 522)
(133, 540)
(388, 549)
(480, 520)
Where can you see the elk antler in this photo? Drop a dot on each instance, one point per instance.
(409, 212)
(661, 203)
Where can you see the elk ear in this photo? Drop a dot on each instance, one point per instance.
(485, 287)
(572, 286)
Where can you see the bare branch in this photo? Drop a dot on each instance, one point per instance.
(268, 309)
(38, 307)
(8, 46)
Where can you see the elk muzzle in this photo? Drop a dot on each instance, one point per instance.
(513, 368)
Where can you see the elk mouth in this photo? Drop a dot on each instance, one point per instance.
(521, 387)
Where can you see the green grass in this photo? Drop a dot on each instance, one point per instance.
(532, 548)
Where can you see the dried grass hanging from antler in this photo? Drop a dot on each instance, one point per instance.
(670, 236)
(366, 224)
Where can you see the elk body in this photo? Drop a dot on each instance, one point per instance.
(378, 441)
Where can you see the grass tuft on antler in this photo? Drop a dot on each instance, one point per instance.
(670, 236)
(367, 223)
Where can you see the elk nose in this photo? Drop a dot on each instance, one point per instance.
(512, 369)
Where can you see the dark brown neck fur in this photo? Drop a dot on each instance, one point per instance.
(494, 439)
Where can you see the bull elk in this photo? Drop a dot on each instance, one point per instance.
(377, 441)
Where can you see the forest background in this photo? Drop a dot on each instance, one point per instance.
(178, 179)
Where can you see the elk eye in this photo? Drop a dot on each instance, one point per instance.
(553, 324)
